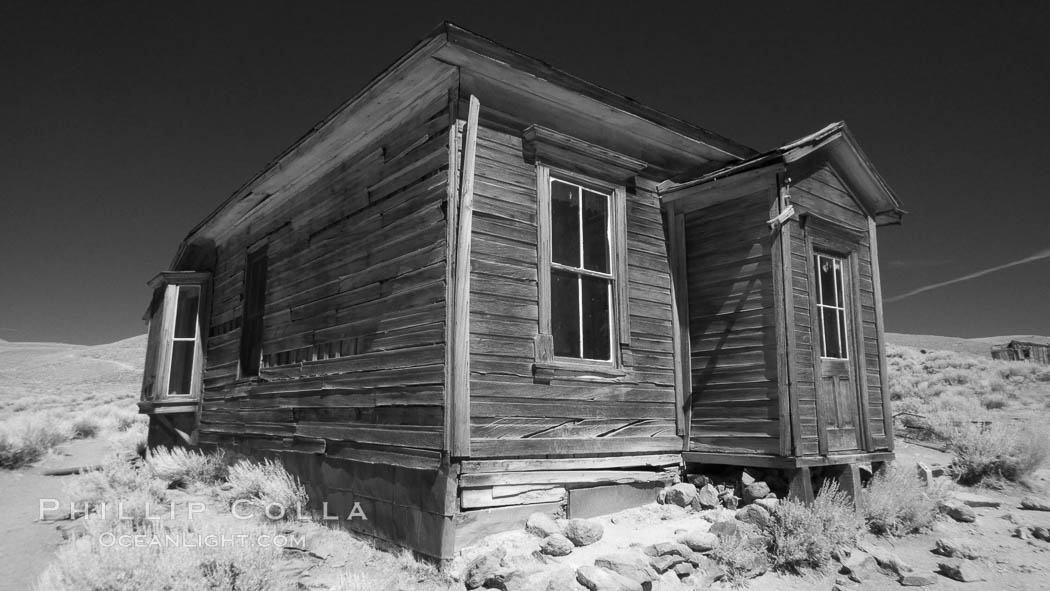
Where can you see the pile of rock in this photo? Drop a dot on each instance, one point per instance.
(750, 493)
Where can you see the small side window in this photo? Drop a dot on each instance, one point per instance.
(252, 314)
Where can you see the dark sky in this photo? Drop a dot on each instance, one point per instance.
(125, 123)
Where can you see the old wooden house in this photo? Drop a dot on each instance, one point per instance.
(483, 287)
(1035, 352)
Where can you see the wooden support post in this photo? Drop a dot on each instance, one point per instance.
(849, 480)
(801, 486)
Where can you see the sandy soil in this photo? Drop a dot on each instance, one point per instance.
(27, 544)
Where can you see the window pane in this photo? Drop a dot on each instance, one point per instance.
(181, 367)
(826, 276)
(829, 324)
(840, 301)
(595, 231)
(565, 222)
(186, 312)
(595, 318)
(565, 313)
(843, 346)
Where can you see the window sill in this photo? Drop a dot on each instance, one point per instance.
(544, 371)
(183, 404)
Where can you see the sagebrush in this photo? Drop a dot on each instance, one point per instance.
(897, 503)
(804, 536)
(266, 484)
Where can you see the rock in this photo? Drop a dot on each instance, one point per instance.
(672, 549)
(485, 569)
(889, 562)
(1023, 532)
(1034, 504)
(956, 548)
(958, 511)
(725, 529)
(669, 582)
(542, 525)
(662, 564)
(707, 497)
(684, 570)
(597, 578)
(746, 479)
(1013, 518)
(755, 490)
(698, 480)
(681, 494)
(966, 572)
(699, 541)
(754, 515)
(583, 532)
(976, 500)
(860, 566)
(556, 545)
(631, 565)
(661, 496)
(563, 578)
(730, 500)
(768, 503)
(1041, 533)
(913, 580)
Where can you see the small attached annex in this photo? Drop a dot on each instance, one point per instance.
(483, 287)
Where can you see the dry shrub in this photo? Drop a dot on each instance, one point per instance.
(805, 536)
(996, 451)
(180, 466)
(119, 489)
(84, 426)
(265, 484)
(897, 503)
(26, 438)
(742, 557)
(242, 565)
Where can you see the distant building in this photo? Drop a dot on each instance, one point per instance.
(1022, 351)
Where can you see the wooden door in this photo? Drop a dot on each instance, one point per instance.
(837, 394)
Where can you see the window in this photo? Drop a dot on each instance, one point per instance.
(831, 307)
(184, 340)
(252, 314)
(175, 350)
(581, 279)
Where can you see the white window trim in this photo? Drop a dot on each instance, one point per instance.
(619, 321)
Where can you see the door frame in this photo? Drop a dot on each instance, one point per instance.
(822, 235)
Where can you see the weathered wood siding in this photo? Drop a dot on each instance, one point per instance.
(350, 392)
(735, 404)
(511, 414)
(823, 193)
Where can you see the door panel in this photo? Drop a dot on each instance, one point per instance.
(837, 389)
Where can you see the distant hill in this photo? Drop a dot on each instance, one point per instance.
(46, 374)
(981, 347)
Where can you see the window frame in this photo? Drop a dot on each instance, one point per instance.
(259, 251)
(619, 328)
(841, 312)
(161, 335)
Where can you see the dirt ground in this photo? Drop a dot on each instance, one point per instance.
(27, 544)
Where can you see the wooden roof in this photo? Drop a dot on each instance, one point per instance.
(515, 88)
(834, 144)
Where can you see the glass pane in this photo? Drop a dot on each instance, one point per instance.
(839, 300)
(595, 231)
(843, 343)
(186, 312)
(565, 224)
(181, 367)
(565, 313)
(829, 325)
(595, 317)
(826, 277)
